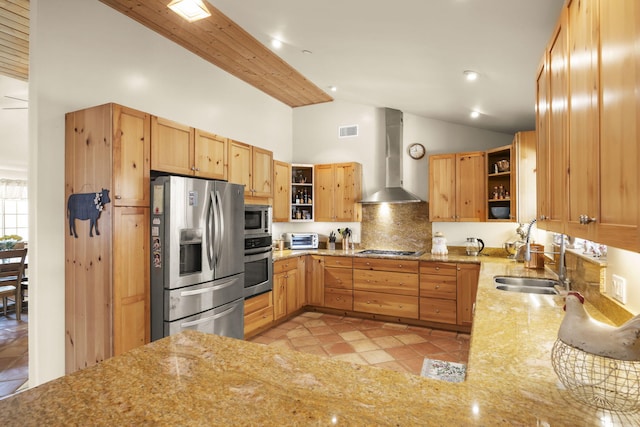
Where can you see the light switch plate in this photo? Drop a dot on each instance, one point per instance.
(619, 288)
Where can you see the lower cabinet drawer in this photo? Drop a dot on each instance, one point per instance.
(438, 310)
(341, 299)
(386, 304)
(258, 312)
(257, 319)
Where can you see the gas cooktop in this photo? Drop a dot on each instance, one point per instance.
(386, 252)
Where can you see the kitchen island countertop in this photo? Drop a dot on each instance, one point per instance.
(200, 379)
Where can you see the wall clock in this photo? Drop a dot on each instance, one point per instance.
(417, 151)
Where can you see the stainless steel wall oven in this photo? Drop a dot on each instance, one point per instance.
(258, 265)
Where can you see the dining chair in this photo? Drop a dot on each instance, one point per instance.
(11, 272)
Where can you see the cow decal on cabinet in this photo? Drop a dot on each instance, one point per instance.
(85, 206)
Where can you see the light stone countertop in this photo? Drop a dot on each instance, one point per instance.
(200, 379)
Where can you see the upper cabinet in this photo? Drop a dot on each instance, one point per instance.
(588, 179)
(618, 211)
(183, 150)
(553, 133)
(583, 140)
(457, 187)
(252, 167)
(281, 191)
(171, 146)
(338, 191)
(524, 144)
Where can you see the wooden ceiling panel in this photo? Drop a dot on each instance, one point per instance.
(14, 39)
(222, 42)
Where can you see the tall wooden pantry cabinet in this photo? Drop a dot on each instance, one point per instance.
(107, 168)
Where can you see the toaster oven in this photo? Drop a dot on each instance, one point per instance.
(301, 240)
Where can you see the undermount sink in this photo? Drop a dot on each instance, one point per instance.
(530, 285)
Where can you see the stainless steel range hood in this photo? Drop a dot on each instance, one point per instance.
(393, 192)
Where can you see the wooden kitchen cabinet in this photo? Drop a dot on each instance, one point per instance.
(258, 313)
(386, 287)
(448, 292)
(281, 191)
(183, 150)
(338, 191)
(457, 187)
(524, 143)
(583, 140)
(618, 205)
(107, 274)
(338, 282)
(438, 292)
(285, 287)
(314, 280)
(467, 288)
(551, 119)
(588, 179)
(252, 167)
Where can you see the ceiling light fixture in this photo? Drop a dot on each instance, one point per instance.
(276, 44)
(474, 114)
(333, 88)
(191, 10)
(470, 75)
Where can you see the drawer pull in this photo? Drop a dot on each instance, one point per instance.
(437, 268)
(437, 311)
(437, 286)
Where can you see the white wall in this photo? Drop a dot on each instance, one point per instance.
(84, 53)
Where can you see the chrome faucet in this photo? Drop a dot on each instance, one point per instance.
(562, 269)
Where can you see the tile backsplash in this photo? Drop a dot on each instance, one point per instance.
(396, 226)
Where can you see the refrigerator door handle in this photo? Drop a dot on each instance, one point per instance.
(206, 319)
(220, 228)
(208, 242)
(222, 285)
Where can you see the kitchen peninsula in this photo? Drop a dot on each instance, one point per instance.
(200, 379)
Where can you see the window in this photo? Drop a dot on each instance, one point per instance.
(14, 208)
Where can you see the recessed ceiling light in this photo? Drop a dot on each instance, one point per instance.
(276, 44)
(191, 10)
(470, 75)
(333, 88)
(474, 114)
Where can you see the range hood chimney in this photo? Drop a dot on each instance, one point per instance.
(393, 192)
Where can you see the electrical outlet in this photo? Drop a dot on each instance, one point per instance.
(619, 285)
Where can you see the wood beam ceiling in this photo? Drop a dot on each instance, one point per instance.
(222, 42)
(14, 39)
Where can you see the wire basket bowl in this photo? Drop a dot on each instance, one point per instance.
(598, 381)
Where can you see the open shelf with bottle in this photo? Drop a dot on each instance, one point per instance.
(302, 196)
(500, 184)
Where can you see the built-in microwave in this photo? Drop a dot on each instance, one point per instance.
(257, 220)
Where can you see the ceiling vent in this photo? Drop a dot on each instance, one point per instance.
(347, 131)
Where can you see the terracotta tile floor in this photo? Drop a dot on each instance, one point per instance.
(368, 342)
(14, 355)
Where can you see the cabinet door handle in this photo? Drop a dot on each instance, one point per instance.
(586, 219)
(437, 286)
(118, 197)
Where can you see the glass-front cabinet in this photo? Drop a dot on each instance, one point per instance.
(302, 196)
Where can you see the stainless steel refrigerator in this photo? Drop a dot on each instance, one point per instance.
(197, 256)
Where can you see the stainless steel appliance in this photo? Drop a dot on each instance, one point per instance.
(197, 269)
(258, 265)
(301, 240)
(257, 220)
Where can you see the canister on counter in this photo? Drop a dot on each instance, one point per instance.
(439, 244)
